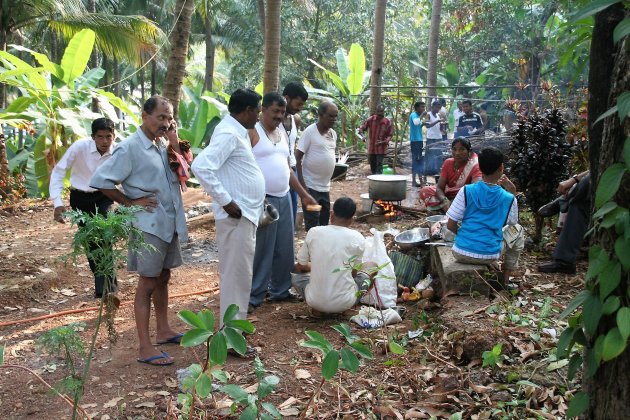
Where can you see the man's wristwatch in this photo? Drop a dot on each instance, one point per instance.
(575, 177)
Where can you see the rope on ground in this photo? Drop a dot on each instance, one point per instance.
(93, 308)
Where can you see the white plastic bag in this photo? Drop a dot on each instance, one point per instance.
(384, 292)
(374, 318)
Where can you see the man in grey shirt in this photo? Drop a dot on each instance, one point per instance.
(140, 165)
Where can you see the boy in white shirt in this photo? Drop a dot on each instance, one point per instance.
(83, 157)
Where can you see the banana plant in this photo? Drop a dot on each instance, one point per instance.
(56, 99)
(350, 82)
(199, 113)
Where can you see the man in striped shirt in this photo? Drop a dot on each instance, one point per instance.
(380, 134)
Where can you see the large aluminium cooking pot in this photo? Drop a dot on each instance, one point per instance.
(387, 187)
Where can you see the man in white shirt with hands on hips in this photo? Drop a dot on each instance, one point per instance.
(82, 158)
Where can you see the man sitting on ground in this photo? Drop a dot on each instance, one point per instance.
(479, 213)
(325, 249)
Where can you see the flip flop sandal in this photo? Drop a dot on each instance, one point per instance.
(176, 339)
(250, 353)
(151, 360)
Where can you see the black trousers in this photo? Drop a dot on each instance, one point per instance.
(314, 218)
(94, 202)
(376, 163)
(576, 223)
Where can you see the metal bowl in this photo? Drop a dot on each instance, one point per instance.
(412, 238)
(437, 218)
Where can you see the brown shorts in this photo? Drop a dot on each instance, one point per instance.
(150, 263)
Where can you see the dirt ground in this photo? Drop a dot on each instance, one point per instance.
(439, 374)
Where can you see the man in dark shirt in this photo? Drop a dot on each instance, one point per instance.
(470, 124)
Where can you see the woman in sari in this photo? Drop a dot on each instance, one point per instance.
(461, 169)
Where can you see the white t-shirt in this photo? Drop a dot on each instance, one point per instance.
(434, 132)
(318, 163)
(328, 248)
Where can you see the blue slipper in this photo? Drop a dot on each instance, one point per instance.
(151, 360)
(176, 339)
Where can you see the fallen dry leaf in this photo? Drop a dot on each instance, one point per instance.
(251, 389)
(290, 412)
(170, 382)
(302, 374)
(113, 402)
(147, 404)
(287, 403)
(67, 292)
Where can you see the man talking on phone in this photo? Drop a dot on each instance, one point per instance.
(140, 165)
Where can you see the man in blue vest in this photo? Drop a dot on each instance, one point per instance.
(484, 216)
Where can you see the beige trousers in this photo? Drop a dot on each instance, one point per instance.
(236, 240)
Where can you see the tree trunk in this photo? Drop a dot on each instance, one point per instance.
(176, 68)
(115, 81)
(434, 41)
(4, 162)
(210, 51)
(153, 77)
(260, 7)
(609, 77)
(377, 54)
(271, 72)
(91, 7)
(310, 74)
(3, 87)
(142, 81)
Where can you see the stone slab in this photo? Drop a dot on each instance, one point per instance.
(454, 276)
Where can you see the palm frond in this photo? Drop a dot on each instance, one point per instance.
(121, 37)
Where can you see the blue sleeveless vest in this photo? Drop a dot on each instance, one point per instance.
(487, 210)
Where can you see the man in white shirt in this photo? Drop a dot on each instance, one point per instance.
(325, 250)
(82, 158)
(228, 171)
(432, 152)
(274, 254)
(315, 156)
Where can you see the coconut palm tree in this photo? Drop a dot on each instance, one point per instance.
(271, 71)
(377, 54)
(120, 37)
(434, 40)
(180, 37)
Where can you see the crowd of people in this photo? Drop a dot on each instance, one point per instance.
(255, 160)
